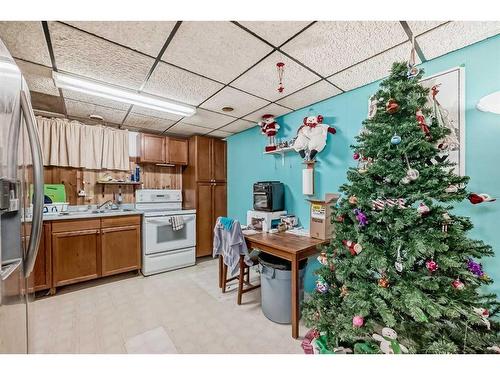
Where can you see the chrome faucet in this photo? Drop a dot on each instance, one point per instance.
(107, 204)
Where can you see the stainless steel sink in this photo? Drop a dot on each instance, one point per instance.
(95, 211)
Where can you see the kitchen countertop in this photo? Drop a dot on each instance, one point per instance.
(82, 212)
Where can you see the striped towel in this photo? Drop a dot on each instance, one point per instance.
(177, 222)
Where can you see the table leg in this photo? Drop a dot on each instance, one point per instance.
(295, 298)
(220, 271)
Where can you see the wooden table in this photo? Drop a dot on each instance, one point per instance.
(290, 247)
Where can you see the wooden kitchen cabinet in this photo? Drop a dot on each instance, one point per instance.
(76, 256)
(176, 151)
(41, 278)
(204, 185)
(151, 148)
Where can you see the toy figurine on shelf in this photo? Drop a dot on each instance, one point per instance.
(269, 127)
(311, 136)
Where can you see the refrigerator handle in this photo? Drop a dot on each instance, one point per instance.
(38, 195)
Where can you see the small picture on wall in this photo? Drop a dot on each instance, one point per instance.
(447, 99)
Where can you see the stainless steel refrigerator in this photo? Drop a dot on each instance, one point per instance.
(21, 206)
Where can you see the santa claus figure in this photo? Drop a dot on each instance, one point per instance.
(269, 127)
(311, 136)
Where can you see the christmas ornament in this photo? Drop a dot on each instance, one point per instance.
(411, 174)
(457, 284)
(358, 321)
(353, 247)
(311, 136)
(269, 127)
(383, 282)
(344, 291)
(321, 285)
(446, 222)
(398, 264)
(361, 217)
(450, 141)
(480, 198)
(423, 209)
(396, 139)
(340, 219)
(353, 199)
(308, 342)
(380, 204)
(484, 314)
(342, 350)
(451, 189)
(322, 258)
(431, 265)
(355, 156)
(280, 67)
(372, 107)
(494, 349)
(389, 343)
(392, 106)
(412, 69)
(423, 125)
(475, 268)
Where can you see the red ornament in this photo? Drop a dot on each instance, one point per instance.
(457, 284)
(423, 125)
(392, 106)
(355, 156)
(340, 218)
(280, 67)
(358, 321)
(431, 265)
(354, 248)
(383, 282)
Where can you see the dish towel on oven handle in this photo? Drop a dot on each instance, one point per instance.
(177, 222)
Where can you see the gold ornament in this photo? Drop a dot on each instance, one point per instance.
(343, 291)
(353, 199)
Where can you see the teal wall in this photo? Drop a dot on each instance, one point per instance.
(247, 164)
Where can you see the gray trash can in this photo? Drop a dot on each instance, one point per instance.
(276, 289)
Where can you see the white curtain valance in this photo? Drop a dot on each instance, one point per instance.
(73, 144)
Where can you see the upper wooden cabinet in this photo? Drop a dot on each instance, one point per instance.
(176, 151)
(162, 150)
(209, 155)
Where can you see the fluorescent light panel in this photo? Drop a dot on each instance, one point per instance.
(91, 87)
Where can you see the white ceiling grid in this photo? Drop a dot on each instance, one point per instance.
(217, 64)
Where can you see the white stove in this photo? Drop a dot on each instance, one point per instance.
(166, 246)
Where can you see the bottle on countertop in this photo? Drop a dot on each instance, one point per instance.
(137, 173)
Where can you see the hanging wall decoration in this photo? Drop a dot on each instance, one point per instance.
(280, 67)
(311, 137)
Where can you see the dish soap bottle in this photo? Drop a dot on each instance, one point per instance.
(137, 173)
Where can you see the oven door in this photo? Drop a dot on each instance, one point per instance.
(261, 201)
(159, 235)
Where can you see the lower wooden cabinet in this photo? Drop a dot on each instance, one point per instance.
(76, 256)
(121, 249)
(41, 277)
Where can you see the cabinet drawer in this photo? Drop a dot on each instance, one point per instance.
(119, 221)
(74, 225)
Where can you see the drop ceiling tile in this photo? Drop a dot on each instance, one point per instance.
(275, 32)
(142, 130)
(262, 79)
(25, 40)
(372, 69)
(220, 134)
(144, 36)
(238, 126)
(177, 84)
(310, 95)
(455, 35)
(147, 122)
(84, 110)
(215, 49)
(273, 109)
(81, 97)
(151, 112)
(419, 27)
(208, 119)
(183, 129)
(83, 54)
(330, 46)
(242, 103)
(38, 77)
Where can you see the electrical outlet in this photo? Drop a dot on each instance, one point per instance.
(81, 193)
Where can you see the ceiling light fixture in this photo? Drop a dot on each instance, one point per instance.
(227, 109)
(108, 91)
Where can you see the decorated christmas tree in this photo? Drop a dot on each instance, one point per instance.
(400, 274)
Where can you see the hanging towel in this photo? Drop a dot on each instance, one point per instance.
(226, 222)
(230, 244)
(177, 222)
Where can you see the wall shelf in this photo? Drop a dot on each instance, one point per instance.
(280, 151)
(118, 183)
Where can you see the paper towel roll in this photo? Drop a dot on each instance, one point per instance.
(308, 181)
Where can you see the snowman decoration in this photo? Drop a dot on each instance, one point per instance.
(311, 136)
(269, 127)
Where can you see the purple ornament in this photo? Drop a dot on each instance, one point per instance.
(475, 268)
(361, 217)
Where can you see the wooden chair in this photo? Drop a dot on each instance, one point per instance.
(243, 277)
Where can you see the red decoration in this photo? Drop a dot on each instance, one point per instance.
(423, 125)
(383, 282)
(269, 127)
(431, 265)
(475, 198)
(457, 284)
(358, 321)
(280, 67)
(355, 156)
(354, 248)
(392, 106)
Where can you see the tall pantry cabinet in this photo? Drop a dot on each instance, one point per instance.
(204, 185)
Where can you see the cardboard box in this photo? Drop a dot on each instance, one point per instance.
(320, 225)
